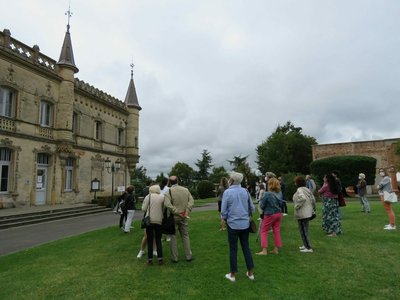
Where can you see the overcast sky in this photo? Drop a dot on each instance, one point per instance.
(221, 75)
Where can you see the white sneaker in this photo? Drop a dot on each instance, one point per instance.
(140, 254)
(302, 247)
(305, 250)
(386, 226)
(390, 227)
(229, 277)
(251, 277)
(285, 214)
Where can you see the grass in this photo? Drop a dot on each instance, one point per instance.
(362, 263)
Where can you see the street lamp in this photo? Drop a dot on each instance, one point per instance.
(111, 169)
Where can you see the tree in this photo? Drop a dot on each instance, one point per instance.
(204, 165)
(139, 180)
(217, 173)
(160, 177)
(237, 162)
(139, 173)
(287, 150)
(205, 189)
(241, 165)
(184, 172)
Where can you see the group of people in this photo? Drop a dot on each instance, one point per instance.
(236, 209)
(169, 199)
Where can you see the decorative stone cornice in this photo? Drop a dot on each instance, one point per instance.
(98, 94)
(28, 54)
(7, 143)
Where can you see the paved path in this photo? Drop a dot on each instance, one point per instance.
(20, 238)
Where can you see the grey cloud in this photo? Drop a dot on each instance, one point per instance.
(222, 75)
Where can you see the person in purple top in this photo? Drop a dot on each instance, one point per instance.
(235, 210)
(330, 210)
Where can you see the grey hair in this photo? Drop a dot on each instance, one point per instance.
(362, 175)
(270, 175)
(236, 177)
(155, 189)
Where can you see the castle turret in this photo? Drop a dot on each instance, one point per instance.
(132, 126)
(67, 69)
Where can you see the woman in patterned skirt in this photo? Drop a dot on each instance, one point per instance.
(330, 210)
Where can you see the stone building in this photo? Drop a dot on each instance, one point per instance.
(58, 133)
(384, 151)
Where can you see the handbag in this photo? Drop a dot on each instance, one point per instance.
(341, 200)
(313, 216)
(168, 223)
(252, 223)
(389, 197)
(146, 220)
(252, 226)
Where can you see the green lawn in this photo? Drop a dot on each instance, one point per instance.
(362, 263)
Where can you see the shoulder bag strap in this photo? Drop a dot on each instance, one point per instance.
(248, 204)
(170, 194)
(148, 207)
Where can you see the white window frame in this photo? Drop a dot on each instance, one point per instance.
(7, 102)
(5, 164)
(46, 113)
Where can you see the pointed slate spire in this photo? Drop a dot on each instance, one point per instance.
(67, 55)
(131, 97)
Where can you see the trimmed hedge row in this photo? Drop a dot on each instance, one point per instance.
(349, 167)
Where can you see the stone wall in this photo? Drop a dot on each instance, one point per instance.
(382, 150)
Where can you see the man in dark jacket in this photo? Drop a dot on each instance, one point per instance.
(130, 207)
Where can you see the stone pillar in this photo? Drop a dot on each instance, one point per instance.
(393, 179)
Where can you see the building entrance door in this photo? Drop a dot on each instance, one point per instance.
(41, 185)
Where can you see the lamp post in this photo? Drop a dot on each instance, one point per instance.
(111, 169)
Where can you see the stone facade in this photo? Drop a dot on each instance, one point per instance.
(382, 150)
(56, 131)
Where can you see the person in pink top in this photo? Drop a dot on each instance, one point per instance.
(330, 210)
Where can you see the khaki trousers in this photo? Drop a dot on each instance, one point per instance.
(181, 225)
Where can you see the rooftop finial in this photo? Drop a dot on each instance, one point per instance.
(69, 14)
(132, 65)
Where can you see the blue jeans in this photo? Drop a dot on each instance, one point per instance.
(243, 236)
(365, 204)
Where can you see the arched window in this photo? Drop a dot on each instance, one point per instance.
(7, 102)
(5, 160)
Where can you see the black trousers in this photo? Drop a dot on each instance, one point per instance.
(154, 230)
(122, 218)
(303, 228)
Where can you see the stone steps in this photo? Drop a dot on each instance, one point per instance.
(49, 215)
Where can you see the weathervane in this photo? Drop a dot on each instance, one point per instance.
(69, 14)
(132, 65)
